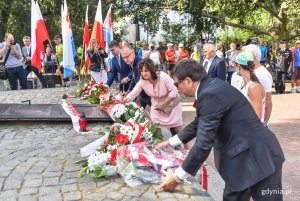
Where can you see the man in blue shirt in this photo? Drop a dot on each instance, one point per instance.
(264, 51)
(296, 69)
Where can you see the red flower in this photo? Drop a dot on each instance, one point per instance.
(121, 139)
(113, 157)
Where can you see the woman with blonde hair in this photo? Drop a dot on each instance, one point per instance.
(97, 56)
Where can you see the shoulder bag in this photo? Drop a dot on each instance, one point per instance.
(3, 71)
(175, 101)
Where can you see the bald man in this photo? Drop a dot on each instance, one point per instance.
(213, 65)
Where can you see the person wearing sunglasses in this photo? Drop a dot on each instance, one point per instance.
(247, 155)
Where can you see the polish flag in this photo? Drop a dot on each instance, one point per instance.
(39, 34)
(97, 31)
(86, 39)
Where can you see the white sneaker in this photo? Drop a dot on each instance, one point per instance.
(298, 90)
(293, 90)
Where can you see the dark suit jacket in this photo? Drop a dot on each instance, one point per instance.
(217, 69)
(135, 73)
(124, 70)
(245, 151)
(25, 55)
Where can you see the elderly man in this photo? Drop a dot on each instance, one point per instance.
(264, 77)
(119, 66)
(248, 156)
(133, 61)
(213, 65)
(14, 66)
(26, 51)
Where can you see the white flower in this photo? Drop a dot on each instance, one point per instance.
(118, 110)
(98, 159)
(112, 147)
(127, 130)
(101, 98)
(147, 135)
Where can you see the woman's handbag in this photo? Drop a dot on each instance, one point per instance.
(175, 101)
(3, 71)
(168, 108)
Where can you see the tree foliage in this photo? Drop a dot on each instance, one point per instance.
(275, 18)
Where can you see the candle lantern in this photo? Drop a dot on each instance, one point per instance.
(82, 123)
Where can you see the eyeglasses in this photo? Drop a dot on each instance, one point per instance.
(177, 83)
(127, 56)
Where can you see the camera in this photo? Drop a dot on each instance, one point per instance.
(152, 48)
(13, 42)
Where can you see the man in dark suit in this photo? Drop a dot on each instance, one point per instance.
(214, 66)
(119, 66)
(26, 51)
(247, 155)
(133, 61)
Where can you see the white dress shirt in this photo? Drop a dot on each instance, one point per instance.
(209, 61)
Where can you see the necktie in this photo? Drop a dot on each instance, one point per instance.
(119, 61)
(195, 104)
(28, 51)
(205, 65)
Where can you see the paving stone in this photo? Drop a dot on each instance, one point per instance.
(52, 181)
(28, 198)
(93, 196)
(115, 196)
(37, 169)
(149, 196)
(52, 174)
(9, 194)
(52, 197)
(114, 185)
(165, 195)
(32, 183)
(134, 193)
(48, 190)
(72, 196)
(11, 183)
(86, 186)
(66, 181)
(28, 191)
(68, 188)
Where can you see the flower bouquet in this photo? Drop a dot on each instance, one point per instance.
(91, 91)
(138, 165)
(99, 164)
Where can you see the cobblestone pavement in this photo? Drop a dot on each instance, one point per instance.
(36, 162)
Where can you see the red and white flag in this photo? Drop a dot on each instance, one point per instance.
(86, 38)
(39, 34)
(97, 31)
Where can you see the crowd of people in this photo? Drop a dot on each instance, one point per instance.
(232, 91)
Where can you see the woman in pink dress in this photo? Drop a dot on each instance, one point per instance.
(160, 87)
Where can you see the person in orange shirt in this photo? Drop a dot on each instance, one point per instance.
(170, 57)
(183, 53)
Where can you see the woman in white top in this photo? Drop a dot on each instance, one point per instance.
(251, 87)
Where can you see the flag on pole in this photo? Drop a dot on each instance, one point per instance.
(97, 31)
(108, 31)
(86, 39)
(108, 34)
(42, 22)
(69, 51)
(39, 34)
